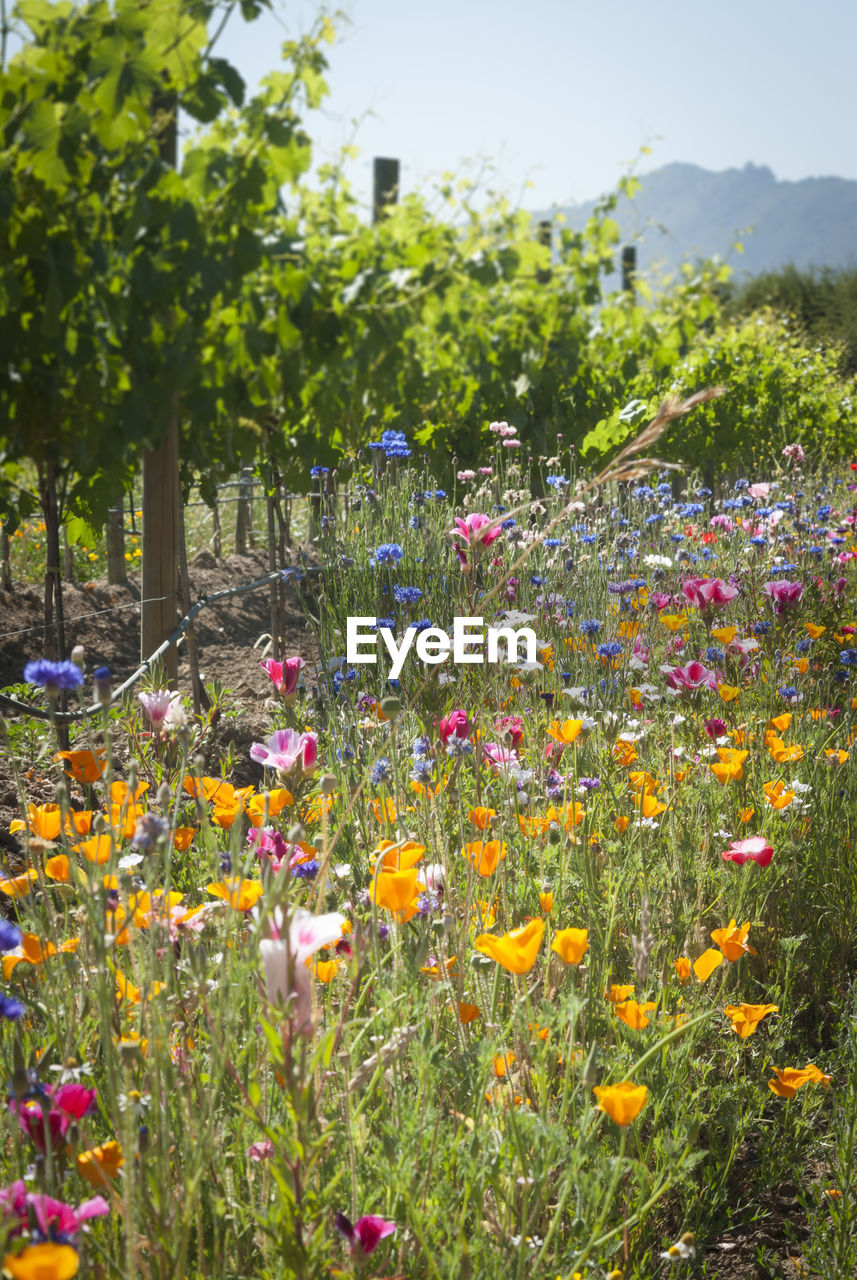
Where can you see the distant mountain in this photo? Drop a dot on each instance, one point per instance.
(683, 212)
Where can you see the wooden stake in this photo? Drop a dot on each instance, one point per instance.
(116, 570)
(161, 546)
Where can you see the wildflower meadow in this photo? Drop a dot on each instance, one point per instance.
(501, 967)
(516, 935)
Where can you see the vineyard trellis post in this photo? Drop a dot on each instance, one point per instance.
(385, 186)
(116, 570)
(161, 495)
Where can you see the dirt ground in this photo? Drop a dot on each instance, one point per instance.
(106, 621)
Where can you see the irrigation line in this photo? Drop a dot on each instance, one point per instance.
(65, 717)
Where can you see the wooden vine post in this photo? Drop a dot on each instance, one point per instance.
(158, 614)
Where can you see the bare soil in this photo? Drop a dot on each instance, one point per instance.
(105, 619)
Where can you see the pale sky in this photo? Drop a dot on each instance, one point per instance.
(562, 94)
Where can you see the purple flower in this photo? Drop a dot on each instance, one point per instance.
(53, 675)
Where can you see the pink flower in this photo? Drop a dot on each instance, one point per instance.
(708, 593)
(287, 751)
(284, 676)
(513, 726)
(753, 849)
(716, 728)
(286, 955)
(760, 490)
(456, 723)
(784, 594)
(499, 756)
(158, 705)
(794, 453)
(465, 475)
(365, 1235)
(690, 678)
(722, 522)
(261, 1150)
(477, 530)
(660, 600)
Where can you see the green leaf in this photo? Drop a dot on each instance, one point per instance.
(230, 78)
(78, 531)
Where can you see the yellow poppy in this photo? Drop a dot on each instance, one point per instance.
(705, 965)
(501, 1064)
(673, 621)
(45, 1261)
(728, 692)
(182, 837)
(787, 1082)
(97, 850)
(272, 802)
(100, 1164)
(730, 767)
(566, 732)
(326, 970)
(814, 629)
(84, 766)
(745, 1018)
(725, 634)
(616, 993)
(571, 945)
(515, 951)
(19, 886)
(57, 868)
(776, 794)
(397, 856)
(485, 855)
(240, 894)
(635, 1015)
(682, 968)
(31, 950)
(42, 819)
(396, 891)
(732, 940)
(622, 1102)
(546, 902)
(481, 817)
(467, 1013)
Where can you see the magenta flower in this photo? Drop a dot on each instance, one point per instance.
(716, 728)
(691, 678)
(284, 676)
(287, 952)
(478, 531)
(287, 751)
(76, 1100)
(783, 594)
(51, 1216)
(456, 723)
(365, 1235)
(708, 593)
(753, 849)
(163, 708)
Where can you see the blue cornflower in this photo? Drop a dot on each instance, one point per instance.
(665, 489)
(713, 654)
(557, 482)
(345, 754)
(758, 542)
(389, 623)
(848, 657)
(307, 870)
(439, 495)
(407, 595)
(824, 512)
(789, 692)
(381, 771)
(456, 746)
(389, 553)
(655, 517)
(703, 492)
(611, 649)
(420, 747)
(536, 579)
(552, 542)
(677, 537)
(421, 771)
(422, 624)
(803, 646)
(511, 523)
(642, 493)
(10, 935)
(10, 1008)
(319, 471)
(151, 828)
(741, 484)
(53, 675)
(590, 626)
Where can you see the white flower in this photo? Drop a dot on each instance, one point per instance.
(286, 955)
